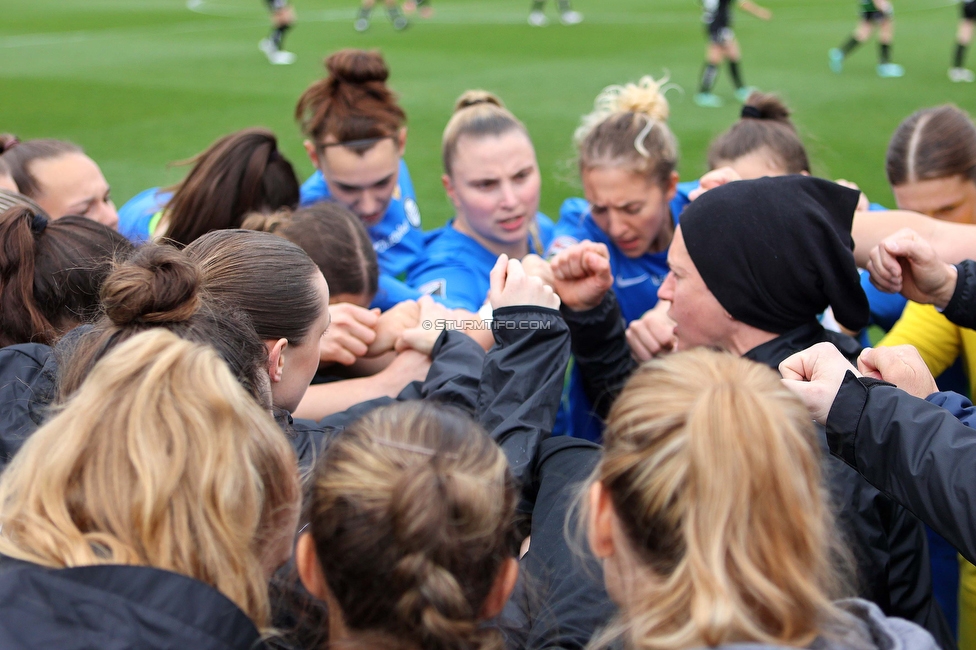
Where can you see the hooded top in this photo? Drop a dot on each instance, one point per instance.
(776, 252)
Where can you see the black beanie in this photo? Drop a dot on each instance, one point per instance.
(776, 252)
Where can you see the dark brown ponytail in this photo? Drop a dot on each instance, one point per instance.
(51, 273)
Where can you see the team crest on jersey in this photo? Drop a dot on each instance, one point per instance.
(560, 244)
(434, 288)
(412, 211)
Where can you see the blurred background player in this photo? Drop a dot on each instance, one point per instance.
(392, 9)
(722, 46)
(420, 6)
(282, 18)
(537, 16)
(964, 36)
(874, 13)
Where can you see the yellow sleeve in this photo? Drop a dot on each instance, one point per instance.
(937, 340)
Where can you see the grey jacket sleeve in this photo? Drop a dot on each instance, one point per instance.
(913, 451)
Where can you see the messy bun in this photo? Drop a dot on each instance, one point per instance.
(765, 127)
(412, 516)
(477, 114)
(161, 287)
(474, 97)
(352, 104)
(628, 128)
(158, 285)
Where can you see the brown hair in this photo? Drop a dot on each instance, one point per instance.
(159, 460)
(477, 114)
(19, 158)
(268, 277)
(334, 238)
(932, 143)
(628, 128)
(240, 173)
(765, 125)
(51, 273)
(717, 484)
(412, 512)
(351, 105)
(159, 287)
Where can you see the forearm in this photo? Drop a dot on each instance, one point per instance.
(600, 349)
(913, 451)
(954, 242)
(322, 400)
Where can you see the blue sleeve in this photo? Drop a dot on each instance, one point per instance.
(681, 200)
(453, 284)
(886, 308)
(135, 215)
(960, 407)
(314, 190)
(392, 291)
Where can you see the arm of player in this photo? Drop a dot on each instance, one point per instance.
(759, 12)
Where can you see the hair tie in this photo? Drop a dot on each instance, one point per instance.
(751, 111)
(38, 223)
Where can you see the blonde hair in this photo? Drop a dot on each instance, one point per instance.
(412, 513)
(718, 486)
(628, 127)
(477, 113)
(159, 459)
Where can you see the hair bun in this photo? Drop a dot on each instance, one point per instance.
(157, 285)
(357, 66)
(766, 106)
(475, 97)
(266, 222)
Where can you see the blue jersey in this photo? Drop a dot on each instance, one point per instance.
(397, 238)
(456, 267)
(137, 213)
(635, 283)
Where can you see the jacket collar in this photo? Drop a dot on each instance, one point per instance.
(772, 353)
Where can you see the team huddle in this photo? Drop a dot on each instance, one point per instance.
(253, 411)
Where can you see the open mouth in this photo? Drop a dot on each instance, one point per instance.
(512, 224)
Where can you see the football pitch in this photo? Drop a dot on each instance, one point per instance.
(142, 83)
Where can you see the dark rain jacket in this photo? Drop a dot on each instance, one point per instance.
(914, 450)
(115, 607)
(28, 376)
(888, 542)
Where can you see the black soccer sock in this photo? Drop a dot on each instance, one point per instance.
(960, 55)
(849, 46)
(564, 6)
(884, 51)
(393, 12)
(734, 71)
(538, 5)
(364, 13)
(709, 74)
(278, 35)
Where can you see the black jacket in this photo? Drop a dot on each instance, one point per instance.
(888, 542)
(961, 309)
(28, 376)
(914, 451)
(114, 607)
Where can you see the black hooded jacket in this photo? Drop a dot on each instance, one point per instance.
(28, 376)
(116, 607)
(889, 543)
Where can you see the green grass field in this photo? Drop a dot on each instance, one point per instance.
(141, 83)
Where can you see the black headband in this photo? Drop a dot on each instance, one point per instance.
(38, 223)
(751, 111)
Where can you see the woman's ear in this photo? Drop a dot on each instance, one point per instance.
(313, 153)
(450, 190)
(309, 569)
(600, 524)
(501, 589)
(401, 141)
(672, 188)
(276, 358)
